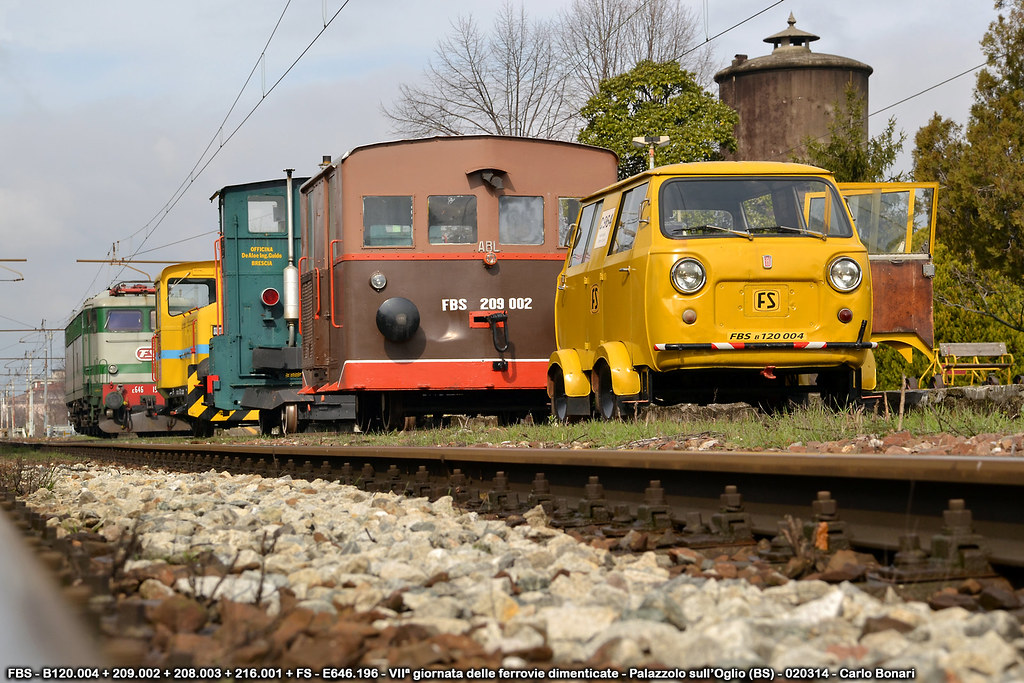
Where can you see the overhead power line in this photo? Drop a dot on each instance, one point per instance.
(201, 165)
(905, 99)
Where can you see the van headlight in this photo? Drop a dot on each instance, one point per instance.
(688, 276)
(844, 274)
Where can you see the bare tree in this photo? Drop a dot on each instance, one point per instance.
(605, 38)
(508, 83)
(531, 78)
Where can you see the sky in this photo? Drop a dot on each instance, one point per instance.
(118, 119)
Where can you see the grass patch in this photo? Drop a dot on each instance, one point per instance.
(739, 428)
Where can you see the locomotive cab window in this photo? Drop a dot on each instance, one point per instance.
(387, 221)
(451, 219)
(125, 320)
(189, 294)
(520, 220)
(267, 214)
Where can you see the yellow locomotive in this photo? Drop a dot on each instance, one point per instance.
(712, 281)
(187, 317)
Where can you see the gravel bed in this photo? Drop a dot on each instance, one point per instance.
(345, 577)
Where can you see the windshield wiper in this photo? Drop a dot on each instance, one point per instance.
(708, 226)
(789, 228)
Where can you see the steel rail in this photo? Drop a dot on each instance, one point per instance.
(880, 497)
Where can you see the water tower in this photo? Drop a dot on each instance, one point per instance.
(787, 96)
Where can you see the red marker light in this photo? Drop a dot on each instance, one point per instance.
(845, 315)
(270, 296)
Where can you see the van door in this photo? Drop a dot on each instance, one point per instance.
(622, 275)
(896, 222)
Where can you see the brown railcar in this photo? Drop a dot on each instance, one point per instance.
(428, 274)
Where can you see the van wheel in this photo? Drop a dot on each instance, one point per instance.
(605, 401)
(559, 401)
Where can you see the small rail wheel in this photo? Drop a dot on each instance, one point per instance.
(289, 418)
(368, 406)
(392, 412)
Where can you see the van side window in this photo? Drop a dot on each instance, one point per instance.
(581, 249)
(568, 211)
(629, 219)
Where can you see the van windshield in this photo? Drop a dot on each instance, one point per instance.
(749, 207)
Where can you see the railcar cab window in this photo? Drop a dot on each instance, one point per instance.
(750, 207)
(629, 219)
(387, 221)
(189, 294)
(126, 320)
(520, 220)
(267, 214)
(581, 243)
(568, 212)
(451, 219)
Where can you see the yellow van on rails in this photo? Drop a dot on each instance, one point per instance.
(712, 282)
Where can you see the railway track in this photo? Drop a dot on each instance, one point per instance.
(930, 514)
(712, 504)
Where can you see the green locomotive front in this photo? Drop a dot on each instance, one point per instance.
(109, 387)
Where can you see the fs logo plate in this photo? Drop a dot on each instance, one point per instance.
(766, 300)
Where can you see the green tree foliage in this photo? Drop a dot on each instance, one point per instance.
(980, 225)
(657, 99)
(846, 153)
(986, 182)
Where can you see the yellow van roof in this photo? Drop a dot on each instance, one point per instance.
(720, 168)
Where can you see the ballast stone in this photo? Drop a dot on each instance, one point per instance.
(335, 547)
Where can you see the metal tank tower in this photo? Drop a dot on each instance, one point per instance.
(787, 96)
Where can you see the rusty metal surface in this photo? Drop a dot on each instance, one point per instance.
(902, 298)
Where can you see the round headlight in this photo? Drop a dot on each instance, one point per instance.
(378, 281)
(112, 369)
(844, 274)
(688, 276)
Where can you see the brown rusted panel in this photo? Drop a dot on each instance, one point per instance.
(902, 298)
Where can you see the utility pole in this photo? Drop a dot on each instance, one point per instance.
(31, 402)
